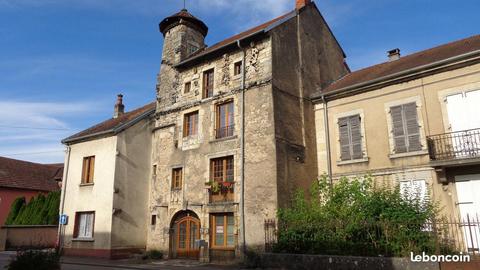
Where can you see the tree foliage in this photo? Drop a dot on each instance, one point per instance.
(41, 210)
(356, 218)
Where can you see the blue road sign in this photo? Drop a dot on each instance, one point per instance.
(63, 219)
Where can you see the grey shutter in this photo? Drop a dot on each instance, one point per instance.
(356, 137)
(412, 127)
(398, 131)
(344, 139)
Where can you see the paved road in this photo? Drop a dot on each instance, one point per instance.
(95, 264)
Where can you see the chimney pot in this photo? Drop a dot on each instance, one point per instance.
(394, 54)
(301, 3)
(119, 108)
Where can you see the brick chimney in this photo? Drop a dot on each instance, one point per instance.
(119, 108)
(301, 3)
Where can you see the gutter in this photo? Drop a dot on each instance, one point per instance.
(242, 143)
(402, 75)
(327, 138)
(62, 204)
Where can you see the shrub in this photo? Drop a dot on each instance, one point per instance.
(35, 260)
(153, 255)
(15, 210)
(40, 210)
(355, 218)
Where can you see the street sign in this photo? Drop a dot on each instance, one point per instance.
(63, 219)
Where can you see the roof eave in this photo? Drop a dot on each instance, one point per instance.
(110, 132)
(398, 76)
(260, 31)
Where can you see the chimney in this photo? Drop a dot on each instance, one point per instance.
(301, 3)
(119, 108)
(393, 54)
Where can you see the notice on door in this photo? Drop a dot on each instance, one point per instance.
(219, 229)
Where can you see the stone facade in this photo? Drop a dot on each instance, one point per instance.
(272, 143)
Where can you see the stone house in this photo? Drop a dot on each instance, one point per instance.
(239, 125)
(234, 131)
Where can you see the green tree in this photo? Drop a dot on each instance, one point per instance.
(17, 204)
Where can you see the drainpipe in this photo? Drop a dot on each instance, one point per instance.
(62, 203)
(242, 173)
(327, 138)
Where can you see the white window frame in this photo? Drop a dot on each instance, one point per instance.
(85, 225)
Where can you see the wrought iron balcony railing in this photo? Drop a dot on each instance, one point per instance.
(455, 145)
(224, 132)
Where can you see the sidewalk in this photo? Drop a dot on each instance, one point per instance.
(139, 264)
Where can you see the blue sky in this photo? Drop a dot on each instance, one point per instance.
(62, 62)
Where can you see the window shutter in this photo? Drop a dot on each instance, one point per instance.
(92, 170)
(356, 137)
(412, 127)
(398, 129)
(344, 139)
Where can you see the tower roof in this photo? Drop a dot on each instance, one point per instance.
(183, 16)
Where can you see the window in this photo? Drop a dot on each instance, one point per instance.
(224, 120)
(154, 170)
(237, 68)
(177, 178)
(208, 80)
(84, 222)
(414, 190)
(350, 137)
(88, 170)
(190, 124)
(406, 130)
(191, 49)
(187, 87)
(154, 220)
(221, 169)
(223, 234)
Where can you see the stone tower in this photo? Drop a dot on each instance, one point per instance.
(183, 36)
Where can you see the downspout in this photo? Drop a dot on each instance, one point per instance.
(62, 203)
(242, 143)
(327, 138)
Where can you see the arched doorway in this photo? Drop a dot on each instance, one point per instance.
(185, 228)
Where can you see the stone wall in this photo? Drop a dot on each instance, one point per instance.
(306, 262)
(18, 237)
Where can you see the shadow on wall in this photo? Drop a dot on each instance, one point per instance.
(28, 237)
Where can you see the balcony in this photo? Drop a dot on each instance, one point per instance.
(223, 193)
(224, 132)
(455, 148)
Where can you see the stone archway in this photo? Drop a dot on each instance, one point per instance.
(185, 231)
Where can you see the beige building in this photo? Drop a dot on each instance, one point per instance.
(239, 125)
(105, 192)
(412, 122)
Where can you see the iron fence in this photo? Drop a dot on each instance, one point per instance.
(447, 236)
(454, 145)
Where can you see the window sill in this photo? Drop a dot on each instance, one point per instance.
(409, 154)
(86, 184)
(354, 161)
(224, 139)
(223, 248)
(83, 240)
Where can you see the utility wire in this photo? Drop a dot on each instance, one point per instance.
(42, 128)
(32, 153)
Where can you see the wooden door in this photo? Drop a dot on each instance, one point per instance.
(187, 232)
